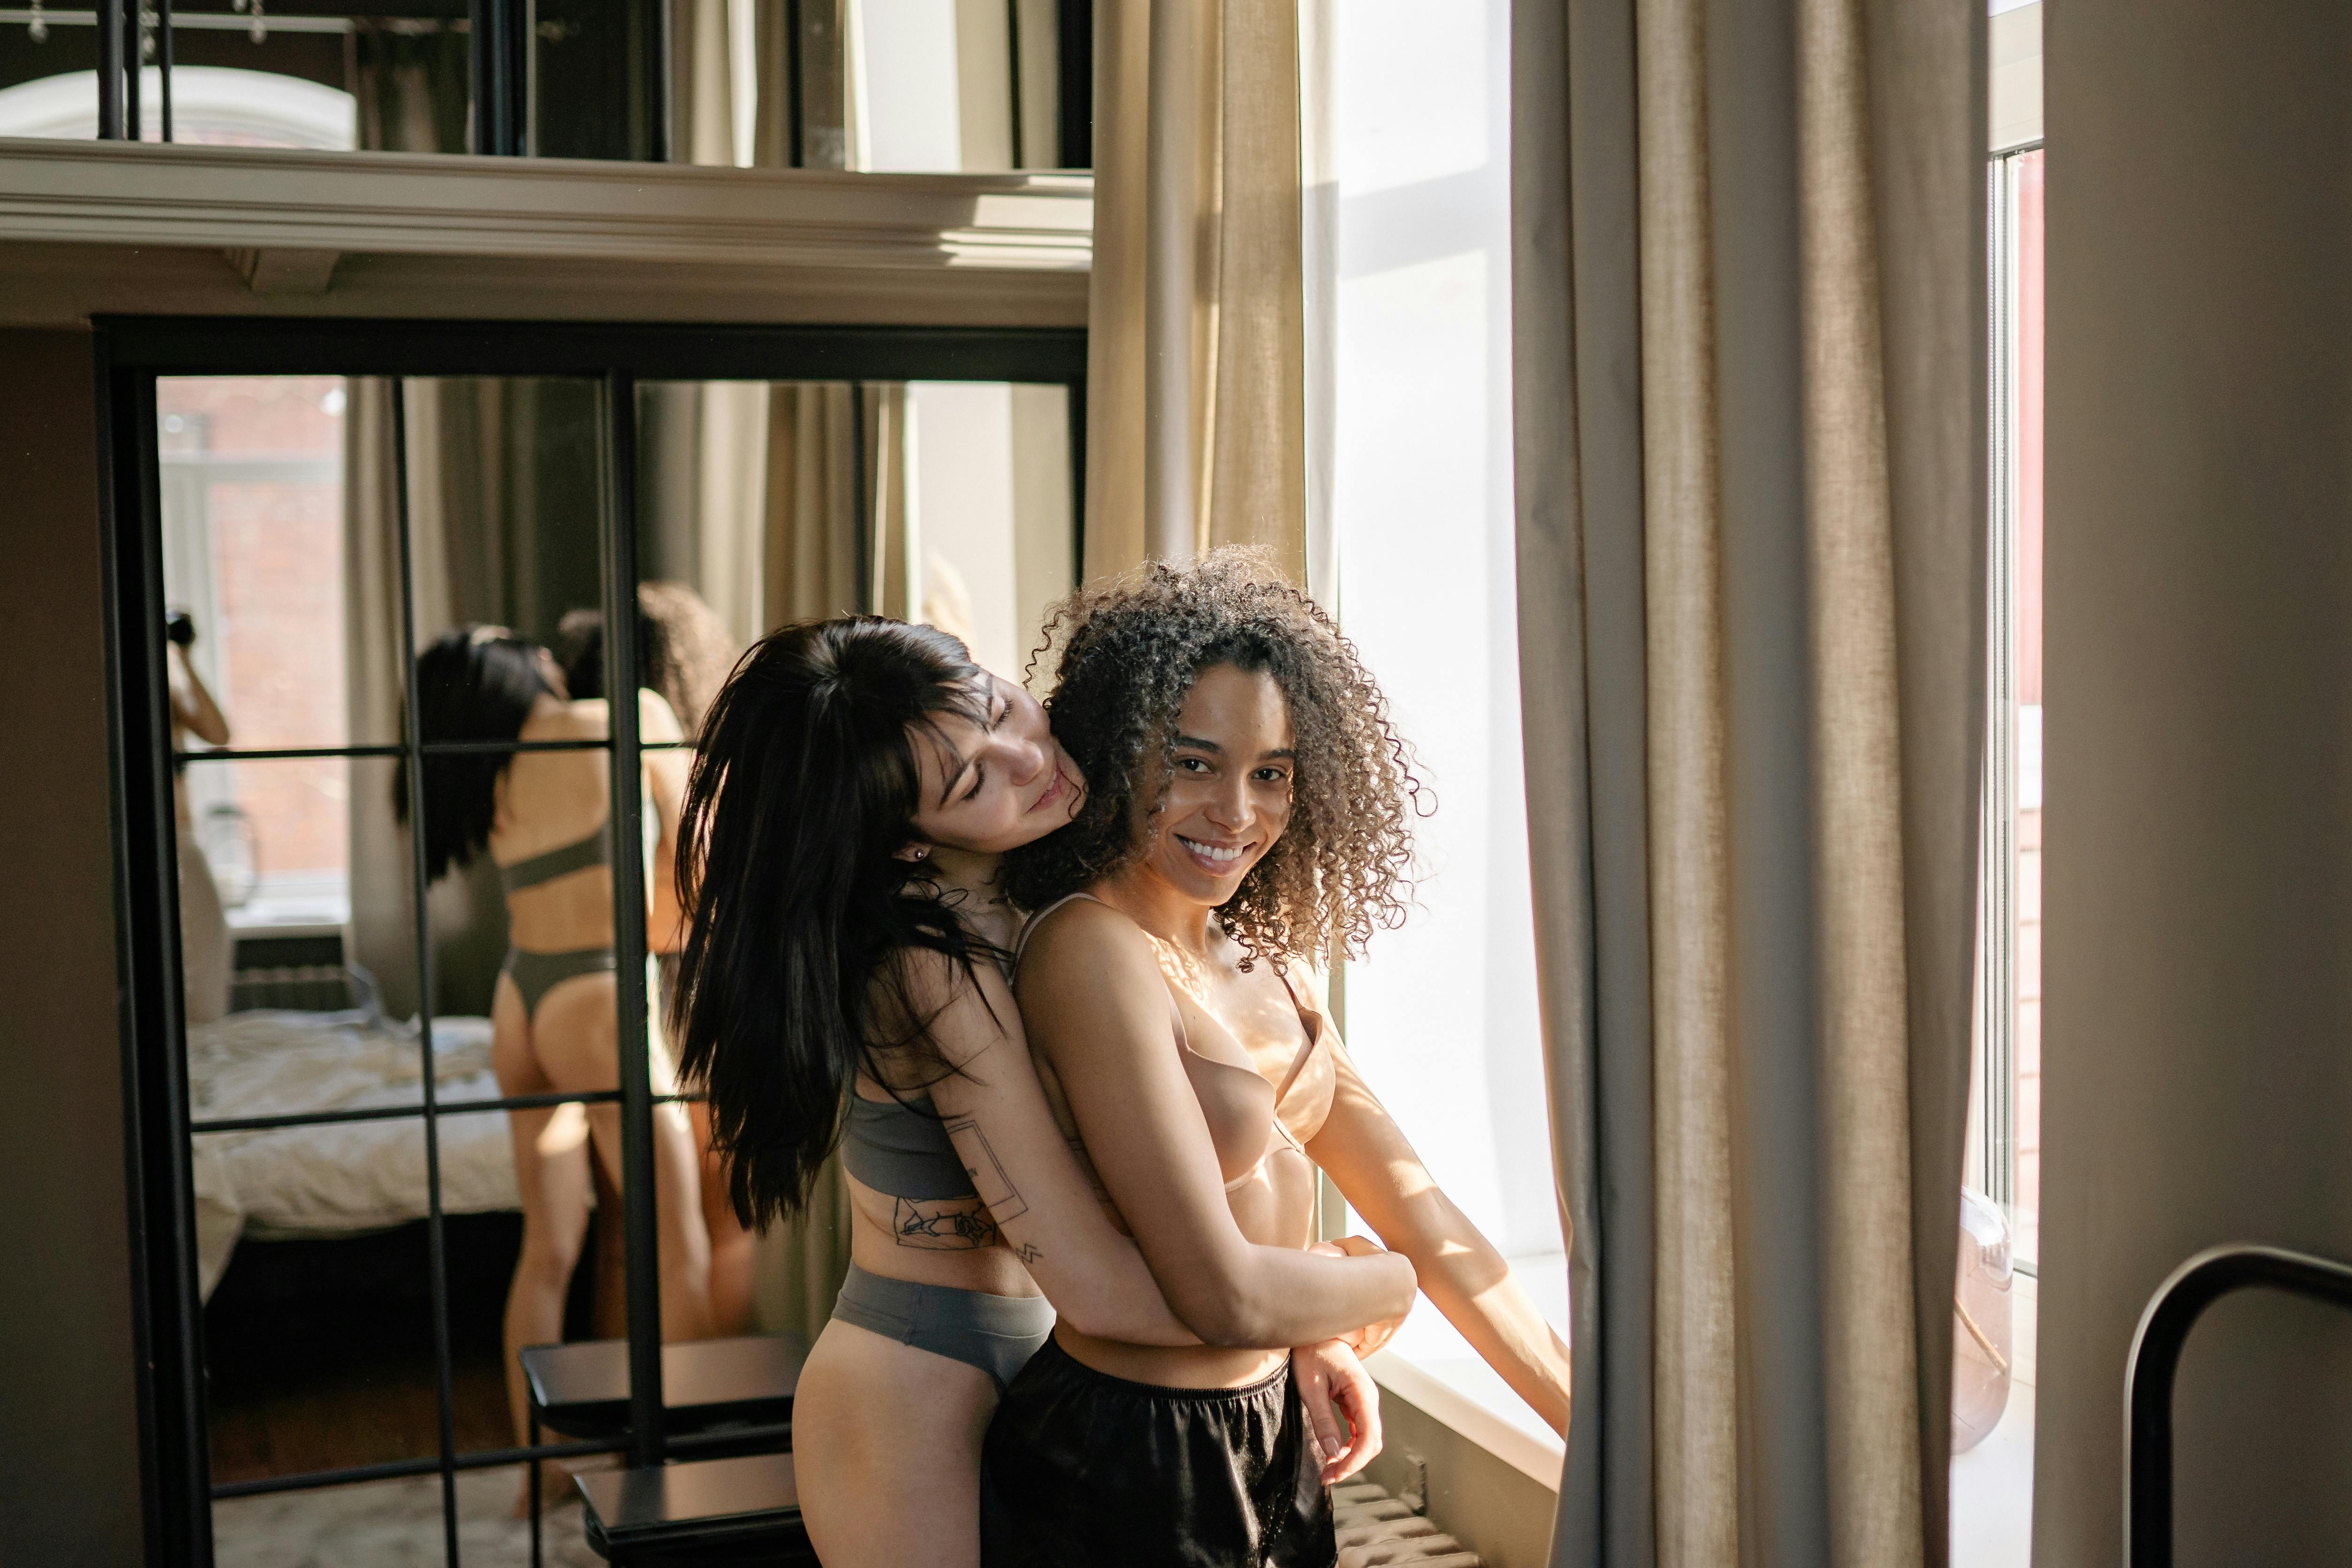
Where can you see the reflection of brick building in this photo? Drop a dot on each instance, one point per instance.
(253, 485)
(2030, 340)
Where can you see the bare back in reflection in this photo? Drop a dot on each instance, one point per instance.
(543, 818)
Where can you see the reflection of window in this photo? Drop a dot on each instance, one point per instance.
(216, 105)
(251, 475)
(945, 86)
(2006, 1156)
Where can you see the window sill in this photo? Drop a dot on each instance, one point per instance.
(1992, 1483)
(1430, 1365)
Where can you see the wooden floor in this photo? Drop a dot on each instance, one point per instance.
(319, 1354)
(372, 1413)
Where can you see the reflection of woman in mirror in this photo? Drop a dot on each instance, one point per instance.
(684, 653)
(543, 817)
(1249, 810)
(843, 982)
(205, 952)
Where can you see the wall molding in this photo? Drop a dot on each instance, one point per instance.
(817, 243)
(270, 199)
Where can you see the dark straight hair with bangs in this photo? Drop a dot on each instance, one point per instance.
(805, 787)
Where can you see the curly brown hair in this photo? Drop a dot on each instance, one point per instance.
(1129, 651)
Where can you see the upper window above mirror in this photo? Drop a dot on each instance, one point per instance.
(922, 86)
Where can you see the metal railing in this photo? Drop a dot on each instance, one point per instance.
(2155, 1364)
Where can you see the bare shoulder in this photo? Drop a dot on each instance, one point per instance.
(1090, 984)
(656, 720)
(1080, 939)
(959, 1010)
(584, 719)
(931, 979)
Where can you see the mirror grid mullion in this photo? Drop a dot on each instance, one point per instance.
(414, 762)
(643, 1283)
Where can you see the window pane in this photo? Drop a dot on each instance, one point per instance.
(1441, 1013)
(261, 541)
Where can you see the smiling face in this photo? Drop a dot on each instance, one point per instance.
(1229, 799)
(989, 788)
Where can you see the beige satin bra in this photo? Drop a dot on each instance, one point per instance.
(1243, 1111)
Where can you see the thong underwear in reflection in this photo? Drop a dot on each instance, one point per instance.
(536, 974)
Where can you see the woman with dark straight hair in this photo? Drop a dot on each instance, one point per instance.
(857, 785)
(543, 818)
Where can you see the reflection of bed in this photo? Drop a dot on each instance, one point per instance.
(344, 1178)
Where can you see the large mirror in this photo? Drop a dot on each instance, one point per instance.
(388, 663)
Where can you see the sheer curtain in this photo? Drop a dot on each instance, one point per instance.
(1749, 313)
(1196, 348)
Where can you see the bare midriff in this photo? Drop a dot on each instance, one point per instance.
(958, 1245)
(1275, 1207)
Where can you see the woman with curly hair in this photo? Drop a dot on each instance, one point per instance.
(856, 787)
(1247, 809)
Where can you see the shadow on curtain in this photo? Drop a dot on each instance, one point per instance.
(1749, 301)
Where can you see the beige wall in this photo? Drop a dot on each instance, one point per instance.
(68, 1427)
(2197, 900)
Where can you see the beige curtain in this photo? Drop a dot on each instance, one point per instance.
(809, 569)
(1196, 370)
(731, 100)
(1748, 317)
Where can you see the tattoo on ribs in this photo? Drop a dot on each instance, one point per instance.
(943, 1224)
(987, 1171)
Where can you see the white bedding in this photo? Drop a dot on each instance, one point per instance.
(345, 1178)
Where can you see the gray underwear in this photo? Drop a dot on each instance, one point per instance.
(536, 974)
(997, 1334)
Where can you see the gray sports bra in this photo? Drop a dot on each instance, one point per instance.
(561, 861)
(901, 1150)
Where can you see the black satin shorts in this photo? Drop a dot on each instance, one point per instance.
(1081, 1469)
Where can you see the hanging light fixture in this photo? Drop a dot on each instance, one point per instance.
(37, 29)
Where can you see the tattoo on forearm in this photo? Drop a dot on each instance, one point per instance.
(943, 1224)
(1028, 1252)
(987, 1171)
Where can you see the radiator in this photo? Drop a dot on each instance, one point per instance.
(304, 988)
(1376, 1530)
